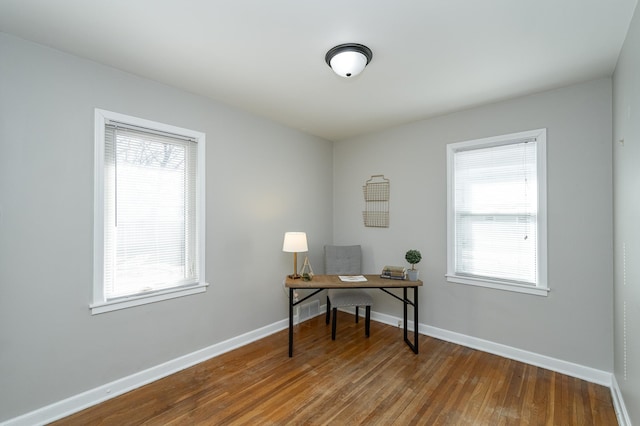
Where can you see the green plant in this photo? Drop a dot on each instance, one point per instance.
(413, 257)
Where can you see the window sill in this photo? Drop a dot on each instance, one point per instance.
(143, 299)
(518, 288)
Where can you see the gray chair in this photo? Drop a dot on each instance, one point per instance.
(346, 260)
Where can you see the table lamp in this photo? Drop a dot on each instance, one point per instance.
(295, 242)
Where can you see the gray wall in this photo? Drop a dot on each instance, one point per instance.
(626, 119)
(575, 322)
(260, 183)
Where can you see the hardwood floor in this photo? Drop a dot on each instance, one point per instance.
(354, 380)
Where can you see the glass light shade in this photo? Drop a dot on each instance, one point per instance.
(348, 63)
(295, 242)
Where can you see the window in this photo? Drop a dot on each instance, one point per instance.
(149, 212)
(496, 231)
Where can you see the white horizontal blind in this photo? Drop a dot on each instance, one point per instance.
(151, 234)
(496, 206)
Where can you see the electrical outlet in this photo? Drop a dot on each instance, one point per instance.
(399, 323)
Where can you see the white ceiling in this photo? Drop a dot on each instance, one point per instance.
(430, 57)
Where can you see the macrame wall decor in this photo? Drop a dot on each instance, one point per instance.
(376, 201)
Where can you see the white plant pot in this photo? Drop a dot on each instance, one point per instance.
(412, 274)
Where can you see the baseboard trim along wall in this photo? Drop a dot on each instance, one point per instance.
(102, 393)
(66, 407)
(618, 404)
(589, 374)
(575, 370)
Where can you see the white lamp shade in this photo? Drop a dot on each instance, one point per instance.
(348, 63)
(295, 242)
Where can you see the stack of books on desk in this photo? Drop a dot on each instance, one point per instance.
(394, 272)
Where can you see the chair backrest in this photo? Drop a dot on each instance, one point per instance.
(343, 260)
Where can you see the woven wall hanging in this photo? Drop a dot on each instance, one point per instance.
(376, 201)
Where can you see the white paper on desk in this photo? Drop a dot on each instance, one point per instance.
(352, 278)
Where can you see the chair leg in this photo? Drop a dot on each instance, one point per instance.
(328, 310)
(367, 320)
(357, 314)
(333, 323)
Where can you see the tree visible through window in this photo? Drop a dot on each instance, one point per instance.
(151, 211)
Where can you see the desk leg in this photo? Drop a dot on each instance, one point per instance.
(404, 312)
(416, 324)
(290, 322)
(414, 345)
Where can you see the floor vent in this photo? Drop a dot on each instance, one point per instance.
(309, 310)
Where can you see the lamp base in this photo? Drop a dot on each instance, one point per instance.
(294, 276)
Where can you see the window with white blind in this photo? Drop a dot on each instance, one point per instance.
(149, 212)
(496, 229)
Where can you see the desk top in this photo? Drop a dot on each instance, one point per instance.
(332, 281)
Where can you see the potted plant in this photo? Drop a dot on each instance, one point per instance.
(413, 257)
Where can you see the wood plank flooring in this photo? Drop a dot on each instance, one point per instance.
(355, 380)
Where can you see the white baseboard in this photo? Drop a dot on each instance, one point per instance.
(593, 375)
(102, 393)
(618, 404)
(571, 369)
(565, 367)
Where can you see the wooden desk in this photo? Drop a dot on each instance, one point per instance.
(322, 282)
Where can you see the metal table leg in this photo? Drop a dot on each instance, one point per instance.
(406, 301)
(404, 316)
(416, 324)
(290, 322)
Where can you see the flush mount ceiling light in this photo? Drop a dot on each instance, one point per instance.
(349, 59)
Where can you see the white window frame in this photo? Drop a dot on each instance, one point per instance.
(541, 286)
(100, 304)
